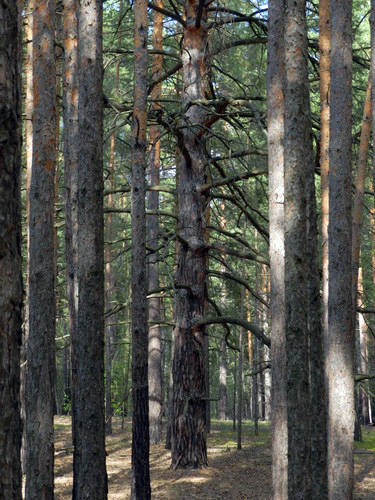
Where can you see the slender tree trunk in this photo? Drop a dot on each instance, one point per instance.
(364, 408)
(275, 69)
(223, 381)
(356, 243)
(154, 305)
(223, 346)
(240, 372)
(140, 423)
(339, 343)
(189, 386)
(325, 83)
(10, 252)
(109, 283)
(89, 472)
(71, 143)
(28, 72)
(235, 390)
(41, 298)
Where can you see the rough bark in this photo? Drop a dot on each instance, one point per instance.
(298, 156)
(41, 264)
(189, 386)
(276, 215)
(10, 252)
(154, 303)
(339, 343)
(87, 342)
(140, 431)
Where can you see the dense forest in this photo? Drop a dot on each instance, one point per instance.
(187, 233)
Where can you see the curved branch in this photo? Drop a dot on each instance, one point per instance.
(252, 327)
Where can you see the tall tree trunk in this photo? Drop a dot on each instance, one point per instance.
(71, 143)
(41, 265)
(140, 486)
(89, 472)
(275, 70)
(339, 343)
(298, 157)
(10, 251)
(189, 385)
(154, 303)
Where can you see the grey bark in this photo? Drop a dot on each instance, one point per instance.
(339, 343)
(10, 252)
(275, 99)
(87, 342)
(41, 264)
(298, 157)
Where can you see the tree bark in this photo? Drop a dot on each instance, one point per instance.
(189, 447)
(154, 303)
(298, 156)
(41, 265)
(275, 97)
(140, 486)
(10, 252)
(339, 343)
(87, 342)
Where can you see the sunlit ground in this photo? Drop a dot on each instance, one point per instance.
(231, 474)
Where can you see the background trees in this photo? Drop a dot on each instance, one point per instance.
(210, 229)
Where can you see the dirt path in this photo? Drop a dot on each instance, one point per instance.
(231, 474)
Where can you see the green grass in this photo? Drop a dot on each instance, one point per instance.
(368, 440)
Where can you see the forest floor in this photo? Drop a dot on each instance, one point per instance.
(231, 474)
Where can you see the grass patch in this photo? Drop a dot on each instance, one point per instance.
(368, 439)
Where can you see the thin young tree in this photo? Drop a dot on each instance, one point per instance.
(41, 263)
(189, 447)
(339, 342)
(140, 480)
(154, 302)
(89, 470)
(10, 252)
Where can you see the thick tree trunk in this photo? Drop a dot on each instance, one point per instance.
(89, 472)
(339, 343)
(41, 265)
(189, 385)
(298, 157)
(140, 424)
(154, 303)
(10, 252)
(275, 76)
